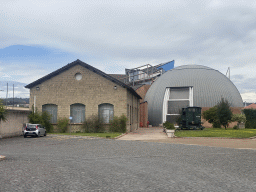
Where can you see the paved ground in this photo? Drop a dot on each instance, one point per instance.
(57, 163)
(142, 134)
(156, 134)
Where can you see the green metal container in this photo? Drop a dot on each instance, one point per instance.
(191, 118)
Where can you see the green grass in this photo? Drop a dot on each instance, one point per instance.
(217, 132)
(112, 135)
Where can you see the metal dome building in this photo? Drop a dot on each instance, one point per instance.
(188, 85)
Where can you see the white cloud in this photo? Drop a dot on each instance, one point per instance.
(249, 97)
(113, 35)
(6, 76)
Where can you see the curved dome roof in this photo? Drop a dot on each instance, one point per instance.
(209, 86)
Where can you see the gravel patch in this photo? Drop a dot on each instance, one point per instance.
(83, 164)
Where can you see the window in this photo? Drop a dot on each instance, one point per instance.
(77, 112)
(175, 99)
(52, 110)
(78, 76)
(106, 112)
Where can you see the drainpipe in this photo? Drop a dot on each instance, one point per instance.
(34, 104)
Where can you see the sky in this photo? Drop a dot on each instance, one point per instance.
(38, 37)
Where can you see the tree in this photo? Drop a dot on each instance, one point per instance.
(211, 116)
(238, 118)
(35, 117)
(3, 112)
(224, 112)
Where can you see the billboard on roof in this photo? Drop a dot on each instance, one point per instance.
(167, 66)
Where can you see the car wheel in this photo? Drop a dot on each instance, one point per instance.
(25, 136)
(45, 133)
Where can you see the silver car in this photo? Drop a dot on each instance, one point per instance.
(36, 130)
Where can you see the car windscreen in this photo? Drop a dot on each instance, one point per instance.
(31, 126)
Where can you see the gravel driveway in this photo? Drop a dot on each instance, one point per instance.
(57, 163)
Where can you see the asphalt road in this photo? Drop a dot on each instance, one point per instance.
(56, 163)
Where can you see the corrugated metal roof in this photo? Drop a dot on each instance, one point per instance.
(209, 86)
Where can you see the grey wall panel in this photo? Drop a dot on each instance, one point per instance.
(209, 86)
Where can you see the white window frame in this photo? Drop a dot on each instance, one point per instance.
(166, 99)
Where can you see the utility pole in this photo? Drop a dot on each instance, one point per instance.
(6, 95)
(13, 95)
(228, 73)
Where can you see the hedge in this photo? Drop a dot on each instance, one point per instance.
(250, 118)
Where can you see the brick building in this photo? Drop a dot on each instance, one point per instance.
(79, 90)
(142, 89)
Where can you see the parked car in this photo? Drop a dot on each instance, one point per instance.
(36, 130)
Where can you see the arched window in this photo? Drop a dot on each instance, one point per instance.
(77, 112)
(52, 109)
(106, 112)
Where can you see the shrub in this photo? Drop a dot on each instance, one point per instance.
(216, 124)
(220, 114)
(35, 117)
(123, 120)
(41, 118)
(238, 118)
(46, 118)
(118, 124)
(224, 112)
(93, 125)
(250, 118)
(235, 127)
(168, 125)
(211, 116)
(3, 112)
(63, 124)
(114, 124)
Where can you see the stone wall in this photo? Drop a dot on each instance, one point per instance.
(132, 112)
(92, 90)
(13, 126)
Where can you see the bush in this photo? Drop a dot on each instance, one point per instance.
(211, 116)
(235, 127)
(224, 112)
(168, 125)
(93, 125)
(118, 124)
(216, 124)
(35, 117)
(41, 118)
(46, 118)
(63, 124)
(114, 125)
(218, 115)
(240, 118)
(250, 118)
(3, 112)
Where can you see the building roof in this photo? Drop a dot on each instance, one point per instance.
(135, 87)
(252, 106)
(119, 77)
(209, 86)
(89, 67)
(17, 109)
